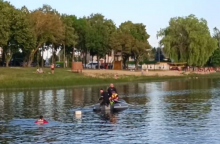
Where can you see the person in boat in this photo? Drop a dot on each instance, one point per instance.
(41, 120)
(114, 98)
(111, 89)
(104, 98)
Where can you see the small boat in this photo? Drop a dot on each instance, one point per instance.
(117, 106)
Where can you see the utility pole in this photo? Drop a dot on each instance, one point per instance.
(64, 56)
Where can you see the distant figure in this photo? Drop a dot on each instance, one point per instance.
(111, 89)
(52, 68)
(104, 98)
(40, 70)
(41, 121)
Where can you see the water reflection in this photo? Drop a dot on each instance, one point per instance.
(180, 111)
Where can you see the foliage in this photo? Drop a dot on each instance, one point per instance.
(215, 58)
(187, 39)
(48, 28)
(98, 35)
(131, 40)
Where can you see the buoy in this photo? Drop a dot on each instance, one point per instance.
(78, 114)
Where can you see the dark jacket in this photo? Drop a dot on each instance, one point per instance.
(104, 98)
(110, 90)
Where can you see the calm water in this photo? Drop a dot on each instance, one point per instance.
(181, 111)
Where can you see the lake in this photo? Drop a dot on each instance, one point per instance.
(178, 111)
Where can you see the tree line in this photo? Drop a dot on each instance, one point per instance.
(28, 33)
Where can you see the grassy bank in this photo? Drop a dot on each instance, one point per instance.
(11, 78)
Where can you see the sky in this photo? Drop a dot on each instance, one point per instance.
(155, 14)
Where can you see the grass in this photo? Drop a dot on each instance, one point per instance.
(13, 78)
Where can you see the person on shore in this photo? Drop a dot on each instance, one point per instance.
(104, 98)
(41, 120)
(40, 70)
(52, 68)
(111, 89)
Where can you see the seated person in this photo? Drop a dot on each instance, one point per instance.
(114, 97)
(40, 70)
(41, 121)
(104, 98)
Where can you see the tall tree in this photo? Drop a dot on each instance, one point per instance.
(187, 39)
(18, 31)
(141, 42)
(214, 60)
(48, 27)
(5, 13)
(131, 40)
(98, 35)
(70, 35)
(81, 26)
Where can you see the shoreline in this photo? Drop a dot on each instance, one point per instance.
(27, 78)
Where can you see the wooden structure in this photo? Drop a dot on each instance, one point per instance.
(77, 67)
(117, 65)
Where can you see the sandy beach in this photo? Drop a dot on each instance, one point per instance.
(107, 73)
(133, 73)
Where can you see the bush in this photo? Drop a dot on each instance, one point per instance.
(59, 63)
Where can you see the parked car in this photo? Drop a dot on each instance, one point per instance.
(132, 66)
(91, 65)
(58, 65)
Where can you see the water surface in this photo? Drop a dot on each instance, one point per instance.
(177, 111)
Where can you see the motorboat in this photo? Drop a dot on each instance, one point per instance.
(116, 106)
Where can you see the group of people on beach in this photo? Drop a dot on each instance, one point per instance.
(40, 70)
(109, 97)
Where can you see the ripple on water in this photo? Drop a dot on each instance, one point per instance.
(163, 112)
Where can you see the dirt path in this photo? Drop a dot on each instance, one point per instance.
(136, 73)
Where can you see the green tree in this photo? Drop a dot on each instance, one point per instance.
(81, 26)
(122, 42)
(5, 12)
(48, 28)
(70, 35)
(98, 35)
(17, 36)
(187, 39)
(131, 40)
(139, 51)
(215, 58)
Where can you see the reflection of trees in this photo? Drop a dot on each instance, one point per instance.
(194, 95)
(109, 116)
(189, 84)
(134, 93)
(188, 107)
(77, 97)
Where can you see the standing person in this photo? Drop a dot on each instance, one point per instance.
(52, 68)
(111, 89)
(104, 98)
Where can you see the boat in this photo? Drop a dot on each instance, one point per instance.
(117, 106)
